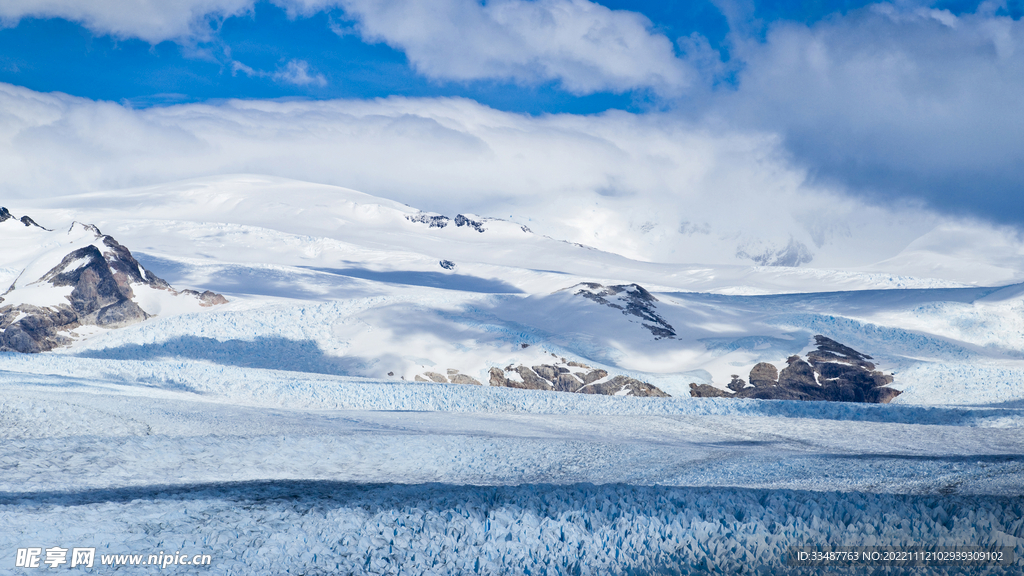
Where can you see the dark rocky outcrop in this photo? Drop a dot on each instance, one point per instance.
(454, 377)
(530, 380)
(707, 391)
(497, 378)
(462, 220)
(834, 372)
(102, 290)
(736, 384)
(6, 215)
(101, 281)
(30, 222)
(206, 297)
(447, 264)
(618, 384)
(560, 378)
(431, 220)
(632, 300)
(764, 374)
(797, 374)
(464, 379)
(477, 223)
(29, 328)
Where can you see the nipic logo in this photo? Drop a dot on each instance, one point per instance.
(56, 556)
(86, 557)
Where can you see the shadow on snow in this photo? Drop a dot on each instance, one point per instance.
(264, 352)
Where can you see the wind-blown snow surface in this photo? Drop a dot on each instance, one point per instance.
(276, 432)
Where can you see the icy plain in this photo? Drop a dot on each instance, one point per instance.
(283, 432)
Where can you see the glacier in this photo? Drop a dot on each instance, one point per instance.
(283, 432)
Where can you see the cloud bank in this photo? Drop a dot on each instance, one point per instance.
(644, 185)
(895, 102)
(151, 20)
(583, 45)
(892, 101)
(814, 142)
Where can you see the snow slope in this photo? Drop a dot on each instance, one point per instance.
(356, 282)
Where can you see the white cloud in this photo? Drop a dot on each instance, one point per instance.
(151, 20)
(648, 186)
(895, 101)
(237, 67)
(584, 46)
(297, 72)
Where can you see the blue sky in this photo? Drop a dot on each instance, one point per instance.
(53, 54)
(907, 102)
(57, 54)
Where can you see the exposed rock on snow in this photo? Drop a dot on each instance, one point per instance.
(764, 374)
(432, 377)
(429, 218)
(28, 328)
(206, 297)
(707, 391)
(797, 374)
(6, 215)
(835, 372)
(632, 300)
(447, 264)
(90, 286)
(458, 378)
(561, 375)
(623, 386)
(559, 378)
(463, 220)
(440, 221)
(27, 221)
(737, 383)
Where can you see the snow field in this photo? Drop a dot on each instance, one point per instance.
(76, 436)
(57, 374)
(412, 331)
(425, 456)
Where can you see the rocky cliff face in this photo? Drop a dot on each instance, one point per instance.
(90, 286)
(834, 372)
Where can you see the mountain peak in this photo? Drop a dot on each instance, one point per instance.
(92, 285)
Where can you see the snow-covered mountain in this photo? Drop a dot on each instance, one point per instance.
(80, 278)
(388, 291)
